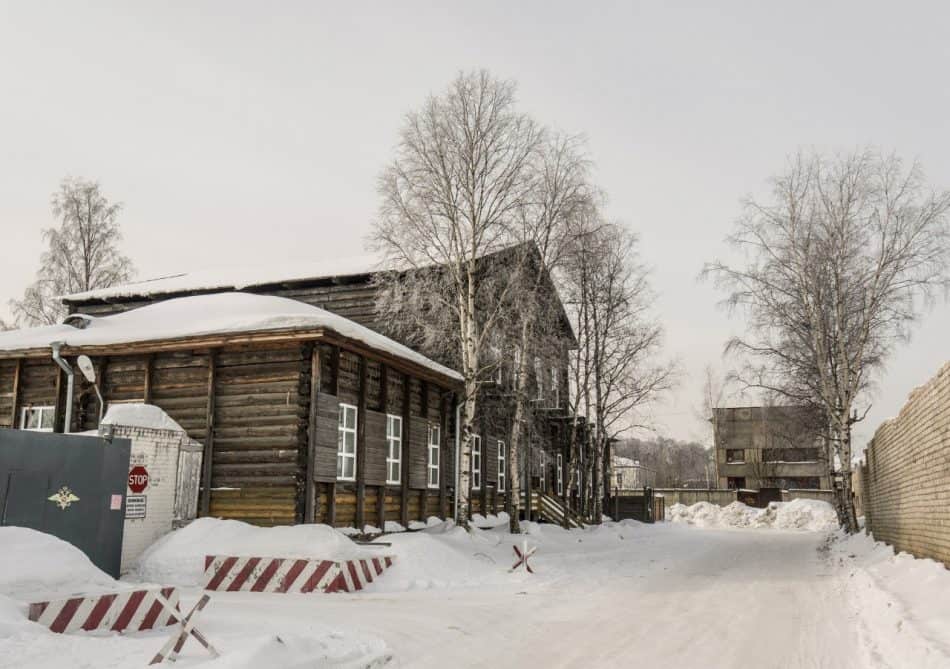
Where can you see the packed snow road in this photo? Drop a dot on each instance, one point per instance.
(664, 596)
(619, 595)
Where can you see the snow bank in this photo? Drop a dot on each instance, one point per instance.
(442, 556)
(13, 618)
(800, 514)
(178, 557)
(305, 652)
(36, 566)
(898, 592)
(137, 414)
(490, 521)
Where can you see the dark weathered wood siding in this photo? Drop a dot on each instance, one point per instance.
(327, 421)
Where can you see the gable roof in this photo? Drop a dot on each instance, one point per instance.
(233, 278)
(259, 278)
(224, 315)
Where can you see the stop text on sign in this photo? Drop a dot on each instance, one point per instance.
(138, 479)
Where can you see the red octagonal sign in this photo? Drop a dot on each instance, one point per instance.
(138, 479)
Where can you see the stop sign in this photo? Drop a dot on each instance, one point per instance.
(138, 479)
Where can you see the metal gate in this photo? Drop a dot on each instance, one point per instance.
(70, 486)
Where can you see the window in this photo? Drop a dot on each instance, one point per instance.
(555, 388)
(502, 468)
(792, 483)
(790, 455)
(476, 462)
(346, 443)
(435, 458)
(619, 480)
(560, 474)
(735, 482)
(735, 455)
(539, 378)
(38, 419)
(517, 370)
(542, 478)
(394, 450)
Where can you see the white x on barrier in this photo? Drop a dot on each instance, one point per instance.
(175, 643)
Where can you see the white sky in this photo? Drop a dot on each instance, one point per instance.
(253, 132)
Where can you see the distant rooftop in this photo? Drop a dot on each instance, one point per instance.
(234, 278)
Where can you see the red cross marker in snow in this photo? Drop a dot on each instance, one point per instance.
(523, 556)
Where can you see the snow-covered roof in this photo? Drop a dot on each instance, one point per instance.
(139, 414)
(235, 278)
(205, 315)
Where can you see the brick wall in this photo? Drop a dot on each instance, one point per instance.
(907, 476)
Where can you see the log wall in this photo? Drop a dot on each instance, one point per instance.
(251, 406)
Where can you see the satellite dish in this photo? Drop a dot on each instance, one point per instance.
(85, 366)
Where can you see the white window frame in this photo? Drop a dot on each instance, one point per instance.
(43, 409)
(555, 387)
(433, 473)
(542, 479)
(393, 449)
(560, 474)
(502, 468)
(341, 455)
(476, 462)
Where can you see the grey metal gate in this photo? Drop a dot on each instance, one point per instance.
(70, 486)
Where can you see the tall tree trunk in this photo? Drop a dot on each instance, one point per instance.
(516, 437)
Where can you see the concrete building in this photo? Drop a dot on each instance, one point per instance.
(769, 447)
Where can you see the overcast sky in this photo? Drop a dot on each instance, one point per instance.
(253, 132)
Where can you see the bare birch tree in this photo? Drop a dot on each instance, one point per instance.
(83, 253)
(617, 362)
(546, 224)
(450, 197)
(840, 262)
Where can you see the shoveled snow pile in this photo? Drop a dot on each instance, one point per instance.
(36, 566)
(443, 556)
(898, 592)
(13, 618)
(136, 414)
(799, 514)
(490, 521)
(178, 557)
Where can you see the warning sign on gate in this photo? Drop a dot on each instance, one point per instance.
(138, 479)
(135, 506)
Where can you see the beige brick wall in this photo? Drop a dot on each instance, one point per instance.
(907, 480)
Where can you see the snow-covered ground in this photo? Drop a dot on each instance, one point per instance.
(619, 595)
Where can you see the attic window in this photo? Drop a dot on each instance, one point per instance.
(78, 321)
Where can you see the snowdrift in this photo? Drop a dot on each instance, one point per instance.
(178, 557)
(36, 566)
(800, 514)
(441, 556)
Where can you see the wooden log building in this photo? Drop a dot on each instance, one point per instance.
(305, 416)
(347, 288)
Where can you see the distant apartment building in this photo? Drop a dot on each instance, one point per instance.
(769, 447)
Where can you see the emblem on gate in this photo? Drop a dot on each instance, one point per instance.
(64, 498)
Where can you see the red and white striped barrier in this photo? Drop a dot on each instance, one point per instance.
(131, 610)
(265, 574)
